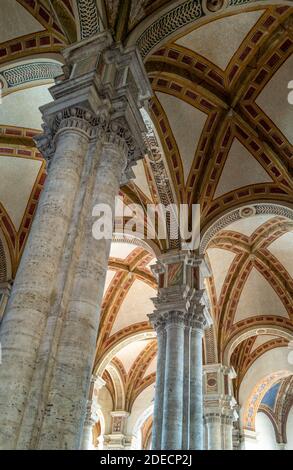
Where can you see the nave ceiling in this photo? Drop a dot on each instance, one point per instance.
(220, 135)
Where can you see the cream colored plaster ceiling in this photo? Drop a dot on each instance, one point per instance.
(241, 169)
(271, 362)
(220, 261)
(121, 250)
(282, 248)
(219, 40)
(21, 108)
(261, 339)
(258, 298)
(136, 306)
(141, 179)
(109, 277)
(248, 225)
(273, 100)
(186, 124)
(15, 21)
(129, 353)
(17, 178)
(151, 367)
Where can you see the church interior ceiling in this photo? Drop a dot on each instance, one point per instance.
(221, 136)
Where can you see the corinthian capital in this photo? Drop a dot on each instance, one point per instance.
(72, 118)
(102, 82)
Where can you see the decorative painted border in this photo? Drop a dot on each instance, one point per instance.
(3, 266)
(174, 19)
(25, 73)
(88, 18)
(257, 395)
(227, 219)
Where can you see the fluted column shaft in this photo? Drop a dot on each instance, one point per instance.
(159, 390)
(173, 393)
(196, 392)
(33, 291)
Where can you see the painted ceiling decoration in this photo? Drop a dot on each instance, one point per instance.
(219, 133)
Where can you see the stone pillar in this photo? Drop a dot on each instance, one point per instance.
(177, 317)
(159, 389)
(186, 387)
(219, 406)
(93, 135)
(196, 395)
(173, 399)
(91, 414)
(25, 318)
(214, 431)
(5, 291)
(227, 429)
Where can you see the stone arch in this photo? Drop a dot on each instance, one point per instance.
(177, 18)
(242, 212)
(119, 402)
(121, 343)
(252, 405)
(250, 331)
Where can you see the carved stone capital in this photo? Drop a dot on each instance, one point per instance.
(73, 118)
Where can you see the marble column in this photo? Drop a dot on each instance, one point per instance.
(227, 430)
(75, 357)
(173, 398)
(29, 305)
(93, 135)
(159, 389)
(196, 395)
(179, 312)
(186, 386)
(213, 425)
